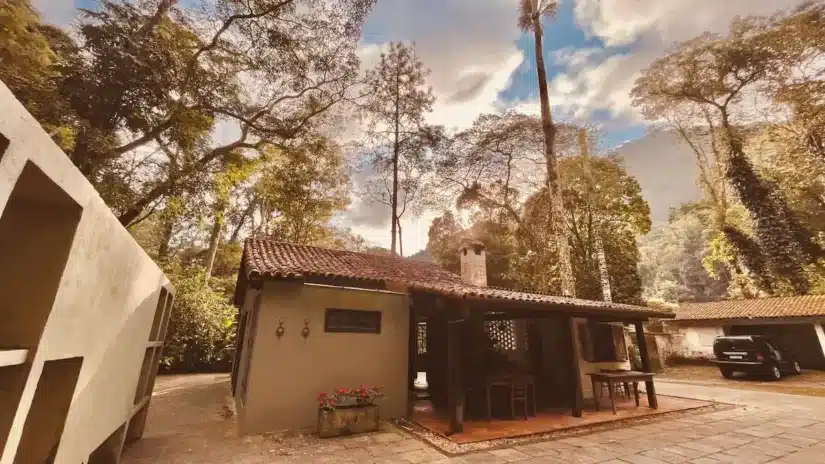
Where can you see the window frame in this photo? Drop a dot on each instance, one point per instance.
(353, 328)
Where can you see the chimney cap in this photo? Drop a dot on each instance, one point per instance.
(469, 243)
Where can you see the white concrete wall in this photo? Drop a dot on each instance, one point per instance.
(586, 367)
(820, 335)
(105, 304)
(694, 342)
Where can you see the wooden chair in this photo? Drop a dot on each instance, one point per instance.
(523, 390)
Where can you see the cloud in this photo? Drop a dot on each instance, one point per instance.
(598, 80)
(58, 12)
(469, 46)
(470, 87)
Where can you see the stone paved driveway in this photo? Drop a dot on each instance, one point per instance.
(768, 427)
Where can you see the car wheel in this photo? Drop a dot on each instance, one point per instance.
(774, 373)
(726, 373)
(795, 368)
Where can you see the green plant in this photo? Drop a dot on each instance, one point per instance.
(635, 358)
(202, 329)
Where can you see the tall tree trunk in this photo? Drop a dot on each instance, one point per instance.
(400, 238)
(568, 283)
(214, 238)
(395, 149)
(167, 228)
(598, 245)
(249, 209)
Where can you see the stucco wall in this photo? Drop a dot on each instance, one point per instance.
(694, 342)
(586, 367)
(105, 300)
(287, 374)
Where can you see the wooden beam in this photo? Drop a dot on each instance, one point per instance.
(455, 388)
(645, 355)
(412, 348)
(577, 396)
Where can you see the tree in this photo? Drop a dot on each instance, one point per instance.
(674, 264)
(797, 46)
(399, 137)
(598, 244)
(161, 73)
(28, 61)
(202, 326)
(713, 73)
(496, 233)
(530, 16)
(298, 192)
(613, 209)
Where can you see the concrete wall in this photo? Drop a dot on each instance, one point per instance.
(104, 295)
(287, 374)
(694, 342)
(586, 367)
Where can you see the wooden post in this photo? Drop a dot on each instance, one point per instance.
(411, 356)
(455, 389)
(575, 371)
(643, 353)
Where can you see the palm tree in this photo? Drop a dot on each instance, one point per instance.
(530, 15)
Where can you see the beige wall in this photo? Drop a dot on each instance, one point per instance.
(287, 374)
(586, 367)
(694, 342)
(104, 304)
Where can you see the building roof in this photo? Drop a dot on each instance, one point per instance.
(266, 258)
(756, 308)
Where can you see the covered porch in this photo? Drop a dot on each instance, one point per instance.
(497, 368)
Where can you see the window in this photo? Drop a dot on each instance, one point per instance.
(502, 334)
(602, 342)
(421, 337)
(352, 321)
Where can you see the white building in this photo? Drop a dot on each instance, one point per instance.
(84, 309)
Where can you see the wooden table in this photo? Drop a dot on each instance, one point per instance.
(634, 377)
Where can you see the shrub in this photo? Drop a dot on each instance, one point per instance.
(202, 329)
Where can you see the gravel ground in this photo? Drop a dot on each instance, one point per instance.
(809, 383)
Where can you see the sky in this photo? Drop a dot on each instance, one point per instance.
(481, 62)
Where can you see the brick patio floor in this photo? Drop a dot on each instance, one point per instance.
(185, 425)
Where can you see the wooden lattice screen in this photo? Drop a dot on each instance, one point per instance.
(503, 333)
(421, 337)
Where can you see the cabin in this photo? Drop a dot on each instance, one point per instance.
(314, 319)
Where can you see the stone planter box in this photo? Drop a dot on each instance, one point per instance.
(347, 420)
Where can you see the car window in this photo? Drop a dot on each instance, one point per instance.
(734, 345)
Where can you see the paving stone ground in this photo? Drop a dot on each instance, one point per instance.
(185, 426)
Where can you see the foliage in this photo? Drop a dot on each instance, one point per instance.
(497, 234)
(520, 249)
(675, 263)
(202, 326)
(713, 73)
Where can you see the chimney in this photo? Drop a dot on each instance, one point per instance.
(473, 257)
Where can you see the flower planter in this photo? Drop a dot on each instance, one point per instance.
(347, 420)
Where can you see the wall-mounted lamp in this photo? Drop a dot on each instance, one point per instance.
(305, 330)
(279, 332)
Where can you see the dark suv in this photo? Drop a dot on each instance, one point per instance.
(753, 354)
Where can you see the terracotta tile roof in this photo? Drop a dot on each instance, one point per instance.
(279, 260)
(792, 306)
